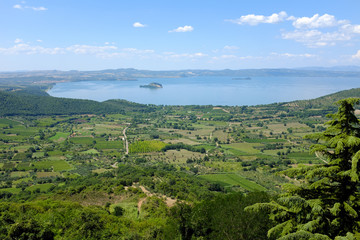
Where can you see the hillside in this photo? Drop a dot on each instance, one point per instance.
(23, 103)
(327, 100)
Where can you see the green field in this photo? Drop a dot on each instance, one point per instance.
(18, 174)
(109, 144)
(56, 165)
(82, 140)
(233, 179)
(90, 151)
(267, 140)
(43, 187)
(59, 136)
(146, 146)
(11, 190)
(244, 147)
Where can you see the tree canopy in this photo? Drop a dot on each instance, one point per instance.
(326, 205)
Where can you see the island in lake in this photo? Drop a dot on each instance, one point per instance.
(152, 85)
(242, 78)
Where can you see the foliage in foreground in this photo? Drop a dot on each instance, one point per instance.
(327, 204)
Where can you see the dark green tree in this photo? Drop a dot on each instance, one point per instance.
(327, 204)
(30, 230)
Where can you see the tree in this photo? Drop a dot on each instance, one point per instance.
(224, 218)
(30, 229)
(327, 204)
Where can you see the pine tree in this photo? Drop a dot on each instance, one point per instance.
(327, 204)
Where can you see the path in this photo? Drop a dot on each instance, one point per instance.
(126, 141)
(169, 201)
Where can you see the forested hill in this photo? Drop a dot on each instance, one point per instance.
(12, 103)
(327, 100)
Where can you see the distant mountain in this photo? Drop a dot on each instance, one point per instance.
(48, 78)
(335, 68)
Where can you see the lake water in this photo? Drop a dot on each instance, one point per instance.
(207, 90)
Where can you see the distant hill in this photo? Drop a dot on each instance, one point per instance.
(335, 68)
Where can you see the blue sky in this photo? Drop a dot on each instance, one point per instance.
(171, 35)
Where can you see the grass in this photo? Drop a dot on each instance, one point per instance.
(146, 146)
(38, 154)
(19, 156)
(47, 174)
(279, 127)
(22, 148)
(109, 144)
(243, 147)
(8, 166)
(176, 156)
(131, 210)
(47, 121)
(82, 140)
(27, 179)
(221, 135)
(18, 174)
(60, 165)
(6, 122)
(59, 136)
(268, 140)
(182, 140)
(56, 165)
(90, 151)
(11, 190)
(43, 187)
(233, 179)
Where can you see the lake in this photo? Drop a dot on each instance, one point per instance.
(207, 90)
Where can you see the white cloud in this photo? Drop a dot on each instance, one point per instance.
(184, 55)
(38, 8)
(351, 29)
(27, 49)
(39, 40)
(18, 40)
(228, 56)
(105, 51)
(357, 55)
(231, 47)
(18, 6)
(138, 25)
(308, 31)
(253, 20)
(316, 38)
(89, 49)
(137, 51)
(292, 55)
(183, 29)
(317, 21)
